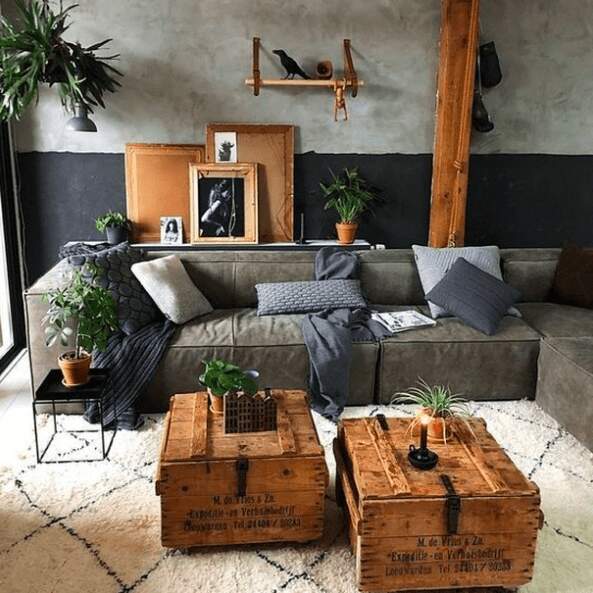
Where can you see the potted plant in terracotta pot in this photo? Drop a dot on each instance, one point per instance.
(85, 311)
(115, 225)
(350, 195)
(438, 403)
(220, 377)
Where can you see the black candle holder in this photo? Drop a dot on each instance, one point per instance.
(422, 458)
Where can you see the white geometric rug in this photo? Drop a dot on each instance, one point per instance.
(94, 527)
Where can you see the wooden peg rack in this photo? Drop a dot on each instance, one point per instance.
(339, 86)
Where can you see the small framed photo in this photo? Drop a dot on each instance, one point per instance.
(224, 203)
(171, 230)
(225, 147)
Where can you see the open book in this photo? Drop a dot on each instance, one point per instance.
(399, 321)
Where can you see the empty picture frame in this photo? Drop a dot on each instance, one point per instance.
(157, 185)
(272, 147)
(224, 203)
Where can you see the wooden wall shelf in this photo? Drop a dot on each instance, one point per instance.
(339, 86)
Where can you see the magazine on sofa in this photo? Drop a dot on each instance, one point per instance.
(399, 321)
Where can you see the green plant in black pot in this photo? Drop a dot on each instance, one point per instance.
(350, 195)
(34, 52)
(221, 377)
(82, 310)
(115, 224)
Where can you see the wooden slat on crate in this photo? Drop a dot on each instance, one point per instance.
(200, 426)
(284, 430)
(388, 457)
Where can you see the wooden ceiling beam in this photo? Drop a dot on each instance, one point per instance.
(455, 88)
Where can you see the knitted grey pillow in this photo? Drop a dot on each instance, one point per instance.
(307, 297)
(477, 298)
(434, 262)
(167, 282)
(135, 308)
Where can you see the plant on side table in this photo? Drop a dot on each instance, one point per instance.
(86, 311)
(438, 403)
(349, 194)
(116, 225)
(220, 377)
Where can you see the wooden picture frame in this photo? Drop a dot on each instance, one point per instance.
(271, 146)
(157, 185)
(212, 219)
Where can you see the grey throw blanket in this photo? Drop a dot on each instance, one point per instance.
(132, 360)
(329, 336)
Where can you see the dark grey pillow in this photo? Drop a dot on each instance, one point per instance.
(307, 297)
(479, 299)
(135, 308)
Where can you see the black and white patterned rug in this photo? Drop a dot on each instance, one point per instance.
(95, 527)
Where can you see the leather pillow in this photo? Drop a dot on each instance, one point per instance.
(477, 298)
(167, 282)
(135, 308)
(573, 280)
(275, 298)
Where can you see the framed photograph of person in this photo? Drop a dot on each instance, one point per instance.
(224, 203)
(171, 230)
(225, 147)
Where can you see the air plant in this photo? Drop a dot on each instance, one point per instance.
(437, 402)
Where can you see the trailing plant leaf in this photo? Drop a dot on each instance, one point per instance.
(37, 53)
(221, 377)
(111, 219)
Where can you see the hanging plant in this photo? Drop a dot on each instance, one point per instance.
(36, 53)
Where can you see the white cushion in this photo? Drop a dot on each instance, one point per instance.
(168, 283)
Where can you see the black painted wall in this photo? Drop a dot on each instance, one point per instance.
(514, 200)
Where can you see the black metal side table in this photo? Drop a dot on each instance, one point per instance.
(53, 392)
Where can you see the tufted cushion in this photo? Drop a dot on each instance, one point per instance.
(135, 308)
(303, 297)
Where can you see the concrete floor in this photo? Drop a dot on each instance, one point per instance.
(16, 425)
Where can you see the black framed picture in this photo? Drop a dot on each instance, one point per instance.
(224, 203)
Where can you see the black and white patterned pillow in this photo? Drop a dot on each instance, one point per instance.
(275, 298)
(135, 308)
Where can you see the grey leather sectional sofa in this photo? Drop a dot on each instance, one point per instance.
(503, 366)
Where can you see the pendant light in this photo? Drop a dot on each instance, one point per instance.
(81, 121)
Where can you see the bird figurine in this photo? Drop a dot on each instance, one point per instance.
(290, 65)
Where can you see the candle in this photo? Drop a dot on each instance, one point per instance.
(423, 436)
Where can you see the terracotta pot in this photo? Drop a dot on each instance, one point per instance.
(75, 370)
(438, 428)
(216, 403)
(346, 232)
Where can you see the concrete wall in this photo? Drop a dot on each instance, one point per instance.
(185, 62)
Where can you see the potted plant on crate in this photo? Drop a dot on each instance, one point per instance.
(350, 196)
(220, 377)
(116, 225)
(438, 403)
(86, 311)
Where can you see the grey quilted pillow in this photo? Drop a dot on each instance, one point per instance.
(274, 298)
(135, 308)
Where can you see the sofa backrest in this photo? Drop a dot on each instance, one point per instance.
(388, 277)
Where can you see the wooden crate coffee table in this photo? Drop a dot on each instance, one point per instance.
(219, 488)
(409, 533)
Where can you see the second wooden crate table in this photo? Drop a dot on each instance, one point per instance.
(410, 530)
(219, 489)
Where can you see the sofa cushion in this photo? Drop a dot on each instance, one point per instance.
(558, 321)
(530, 271)
(565, 384)
(573, 281)
(213, 329)
(477, 298)
(502, 366)
(311, 296)
(167, 282)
